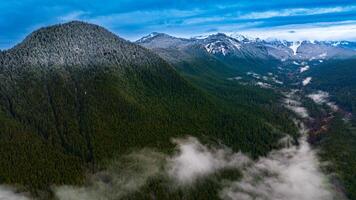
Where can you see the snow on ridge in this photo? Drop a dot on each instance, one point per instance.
(295, 47)
(236, 44)
(145, 38)
(241, 38)
(215, 47)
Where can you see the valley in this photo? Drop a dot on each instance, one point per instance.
(86, 114)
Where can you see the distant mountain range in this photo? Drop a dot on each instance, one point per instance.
(236, 45)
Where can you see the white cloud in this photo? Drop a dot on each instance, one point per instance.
(306, 81)
(296, 12)
(74, 15)
(293, 103)
(192, 161)
(123, 177)
(195, 160)
(322, 97)
(291, 173)
(150, 19)
(343, 30)
(7, 193)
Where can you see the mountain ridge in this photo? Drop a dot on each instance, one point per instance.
(221, 43)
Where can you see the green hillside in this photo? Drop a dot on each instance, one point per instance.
(73, 96)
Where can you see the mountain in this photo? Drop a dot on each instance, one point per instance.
(342, 44)
(217, 44)
(74, 95)
(213, 55)
(242, 47)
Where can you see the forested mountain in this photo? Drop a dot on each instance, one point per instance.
(74, 95)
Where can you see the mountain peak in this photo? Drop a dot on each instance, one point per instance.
(152, 36)
(74, 43)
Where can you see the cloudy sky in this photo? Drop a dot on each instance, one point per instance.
(132, 19)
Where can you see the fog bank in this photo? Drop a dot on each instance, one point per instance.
(194, 160)
(6, 193)
(288, 174)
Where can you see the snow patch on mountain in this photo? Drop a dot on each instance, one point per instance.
(242, 38)
(145, 38)
(216, 47)
(295, 47)
(236, 44)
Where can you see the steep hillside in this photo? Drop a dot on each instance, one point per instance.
(73, 96)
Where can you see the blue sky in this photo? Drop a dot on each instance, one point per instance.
(132, 19)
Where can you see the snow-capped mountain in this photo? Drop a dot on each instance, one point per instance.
(343, 44)
(220, 44)
(240, 46)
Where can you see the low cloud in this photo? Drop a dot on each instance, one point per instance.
(305, 68)
(293, 103)
(291, 173)
(124, 176)
(306, 81)
(191, 161)
(322, 97)
(7, 193)
(194, 160)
